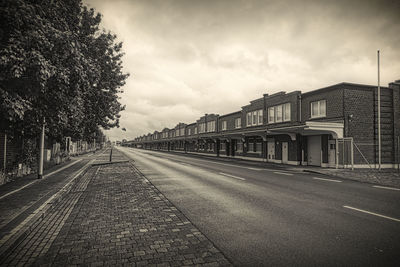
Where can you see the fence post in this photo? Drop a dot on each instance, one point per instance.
(337, 153)
(5, 153)
(111, 154)
(398, 153)
(352, 153)
(41, 152)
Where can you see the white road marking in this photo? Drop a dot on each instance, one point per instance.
(328, 180)
(232, 176)
(372, 213)
(284, 173)
(386, 187)
(231, 165)
(185, 164)
(44, 176)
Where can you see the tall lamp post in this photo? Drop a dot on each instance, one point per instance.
(379, 116)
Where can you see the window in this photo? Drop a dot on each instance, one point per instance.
(182, 133)
(223, 126)
(258, 147)
(251, 147)
(248, 119)
(189, 131)
(238, 122)
(279, 113)
(177, 132)
(222, 146)
(271, 115)
(255, 118)
(210, 126)
(318, 109)
(239, 146)
(202, 127)
(195, 130)
(286, 112)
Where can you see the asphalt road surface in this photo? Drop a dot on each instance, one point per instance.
(258, 215)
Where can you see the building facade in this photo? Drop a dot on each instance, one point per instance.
(335, 126)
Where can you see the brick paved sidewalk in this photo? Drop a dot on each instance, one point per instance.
(115, 216)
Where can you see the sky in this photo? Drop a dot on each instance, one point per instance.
(187, 58)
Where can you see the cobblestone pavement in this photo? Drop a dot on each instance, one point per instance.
(114, 216)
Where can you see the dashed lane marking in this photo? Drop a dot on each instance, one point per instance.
(44, 176)
(372, 213)
(327, 180)
(284, 173)
(225, 164)
(386, 187)
(232, 176)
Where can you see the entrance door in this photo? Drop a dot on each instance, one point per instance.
(271, 150)
(332, 153)
(285, 149)
(233, 146)
(314, 150)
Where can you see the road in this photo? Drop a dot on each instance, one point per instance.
(262, 216)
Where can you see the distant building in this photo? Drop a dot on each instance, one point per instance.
(335, 126)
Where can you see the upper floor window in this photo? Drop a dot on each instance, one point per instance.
(238, 123)
(223, 126)
(189, 132)
(318, 109)
(211, 126)
(255, 118)
(202, 127)
(177, 132)
(182, 132)
(195, 130)
(248, 118)
(279, 113)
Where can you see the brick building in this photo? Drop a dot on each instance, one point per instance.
(335, 126)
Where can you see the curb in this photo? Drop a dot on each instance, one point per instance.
(15, 239)
(109, 163)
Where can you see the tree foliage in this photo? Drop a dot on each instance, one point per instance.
(57, 64)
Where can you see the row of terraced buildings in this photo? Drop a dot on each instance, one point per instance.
(335, 126)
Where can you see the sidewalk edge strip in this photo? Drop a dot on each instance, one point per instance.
(17, 234)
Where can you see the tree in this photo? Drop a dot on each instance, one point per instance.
(56, 64)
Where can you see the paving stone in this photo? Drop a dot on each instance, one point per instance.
(119, 218)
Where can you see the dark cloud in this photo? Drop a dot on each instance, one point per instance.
(188, 58)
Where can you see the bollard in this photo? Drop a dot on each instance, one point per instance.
(110, 154)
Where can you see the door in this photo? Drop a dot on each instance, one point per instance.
(332, 153)
(271, 150)
(285, 149)
(314, 150)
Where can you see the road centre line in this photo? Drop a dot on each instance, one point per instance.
(44, 176)
(231, 165)
(386, 187)
(328, 180)
(232, 176)
(284, 173)
(372, 213)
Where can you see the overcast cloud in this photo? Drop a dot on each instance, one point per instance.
(188, 58)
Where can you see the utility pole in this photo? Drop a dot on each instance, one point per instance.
(41, 152)
(379, 116)
(5, 154)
